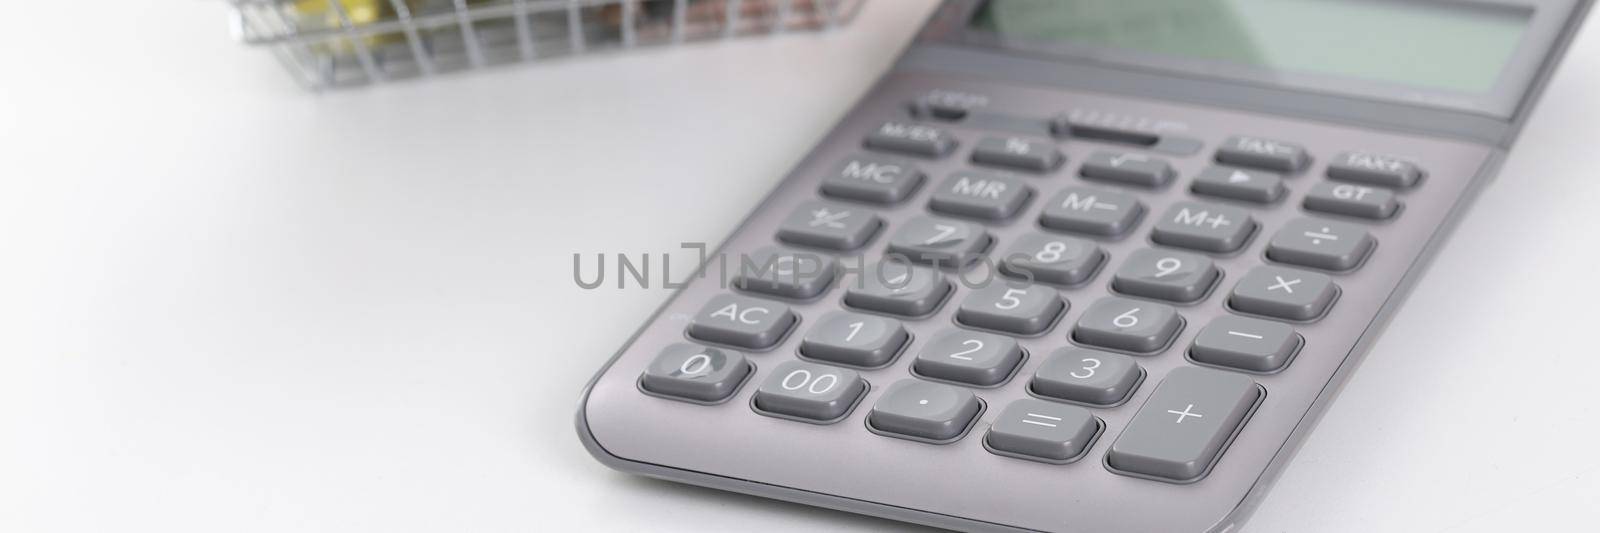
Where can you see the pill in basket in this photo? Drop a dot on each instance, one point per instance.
(331, 43)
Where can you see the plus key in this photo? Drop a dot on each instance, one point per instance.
(1184, 426)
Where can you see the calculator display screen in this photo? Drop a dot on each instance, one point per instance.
(1457, 47)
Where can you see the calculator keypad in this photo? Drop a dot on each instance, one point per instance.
(976, 220)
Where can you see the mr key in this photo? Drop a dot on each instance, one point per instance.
(1018, 270)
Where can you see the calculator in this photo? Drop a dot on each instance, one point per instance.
(1081, 265)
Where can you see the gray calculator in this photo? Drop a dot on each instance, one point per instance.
(1081, 265)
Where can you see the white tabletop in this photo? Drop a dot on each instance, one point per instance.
(230, 305)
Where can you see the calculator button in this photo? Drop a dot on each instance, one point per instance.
(870, 178)
(1183, 427)
(1086, 376)
(897, 288)
(829, 226)
(1321, 244)
(971, 357)
(1352, 200)
(1266, 154)
(854, 339)
(1374, 169)
(1129, 325)
(1040, 430)
(947, 105)
(1052, 259)
(1245, 343)
(925, 411)
(980, 195)
(1204, 227)
(1237, 184)
(787, 273)
(1127, 168)
(1284, 293)
(945, 242)
(1018, 153)
(1092, 211)
(695, 373)
(1166, 274)
(741, 321)
(1020, 310)
(909, 138)
(810, 391)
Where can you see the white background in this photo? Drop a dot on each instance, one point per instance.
(230, 305)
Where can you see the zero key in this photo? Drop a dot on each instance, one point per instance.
(1182, 429)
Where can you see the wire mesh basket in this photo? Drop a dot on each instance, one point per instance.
(332, 43)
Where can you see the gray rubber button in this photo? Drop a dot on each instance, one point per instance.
(1266, 154)
(831, 226)
(695, 372)
(897, 288)
(854, 339)
(870, 178)
(972, 357)
(941, 241)
(1245, 343)
(1238, 184)
(1043, 431)
(911, 138)
(1321, 244)
(1018, 153)
(1127, 168)
(741, 321)
(1284, 293)
(788, 273)
(1000, 306)
(1086, 376)
(1052, 258)
(1166, 275)
(1092, 211)
(1352, 200)
(1128, 325)
(925, 411)
(1204, 227)
(980, 195)
(813, 392)
(1374, 169)
(1181, 430)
